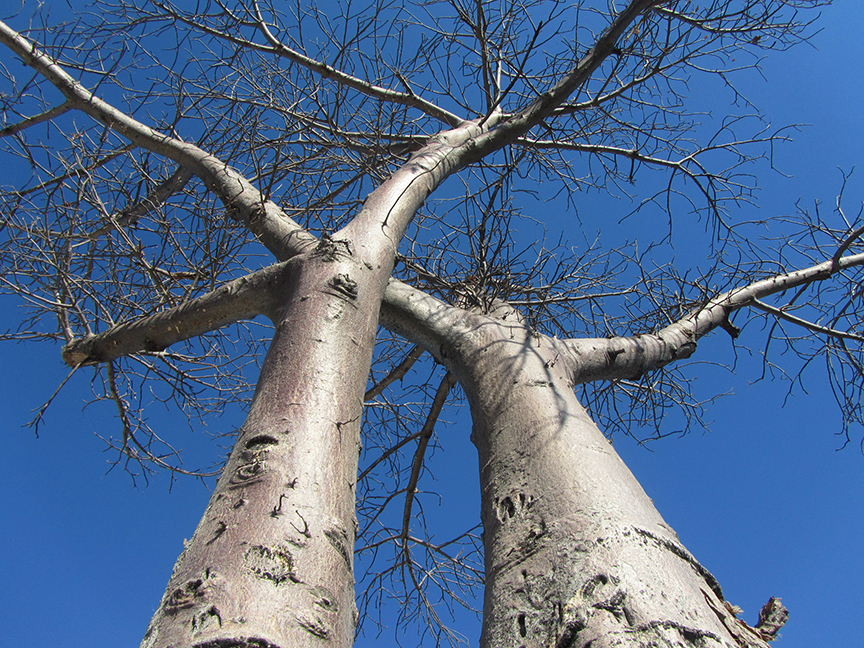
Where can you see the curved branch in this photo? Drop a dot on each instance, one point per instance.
(518, 123)
(278, 48)
(419, 317)
(845, 246)
(810, 326)
(633, 356)
(279, 233)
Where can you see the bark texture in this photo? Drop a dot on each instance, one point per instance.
(271, 562)
(576, 553)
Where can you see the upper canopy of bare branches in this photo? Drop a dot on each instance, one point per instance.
(165, 149)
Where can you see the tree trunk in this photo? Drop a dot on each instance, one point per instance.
(576, 554)
(271, 562)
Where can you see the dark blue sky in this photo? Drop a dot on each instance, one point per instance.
(764, 499)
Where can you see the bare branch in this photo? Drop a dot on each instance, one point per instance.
(444, 388)
(130, 215)
(278, 232)
(810, 326)
(278, 48)
(520, 122)
(329, 72)
(629, 357)
(37, 119)
(395, 374)
(239, 299)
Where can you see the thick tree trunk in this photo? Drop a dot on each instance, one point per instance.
(576, 553)
(271, 562)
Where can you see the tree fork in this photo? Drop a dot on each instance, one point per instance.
(576, 554)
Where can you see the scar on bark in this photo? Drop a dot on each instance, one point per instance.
(254, 457)
(344, 286)
(260, 440)
(185, 597)
(508, 507)
(237, 642)
(324, 599)
(313, 626)
(221, 527)
(271, 563)
(339, 540)
(206, 619)
(330, 249)
(686, 556)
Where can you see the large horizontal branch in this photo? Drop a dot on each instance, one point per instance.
(236, 300)
(419, 317)
(279, 233)
(244, 298)
(632, 356)
(429, 323)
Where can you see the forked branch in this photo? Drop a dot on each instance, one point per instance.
(268, 222)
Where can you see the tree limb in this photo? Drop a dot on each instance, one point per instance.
(518, 123)
(633, 356)
(810, 326)
(128, 216)
(48, 115)
(242, 298)
(329, 72)
(396, 374)
(279, 233)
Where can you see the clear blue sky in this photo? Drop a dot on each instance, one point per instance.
(764, 500)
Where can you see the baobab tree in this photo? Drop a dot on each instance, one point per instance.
(379, 158)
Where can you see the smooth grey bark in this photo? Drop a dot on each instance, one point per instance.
(575, 550)
(576, 554)
(271, 562)
(242, 298)
(633, 356)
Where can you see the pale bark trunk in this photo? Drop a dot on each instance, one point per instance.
(270, 563)
(576, 553)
